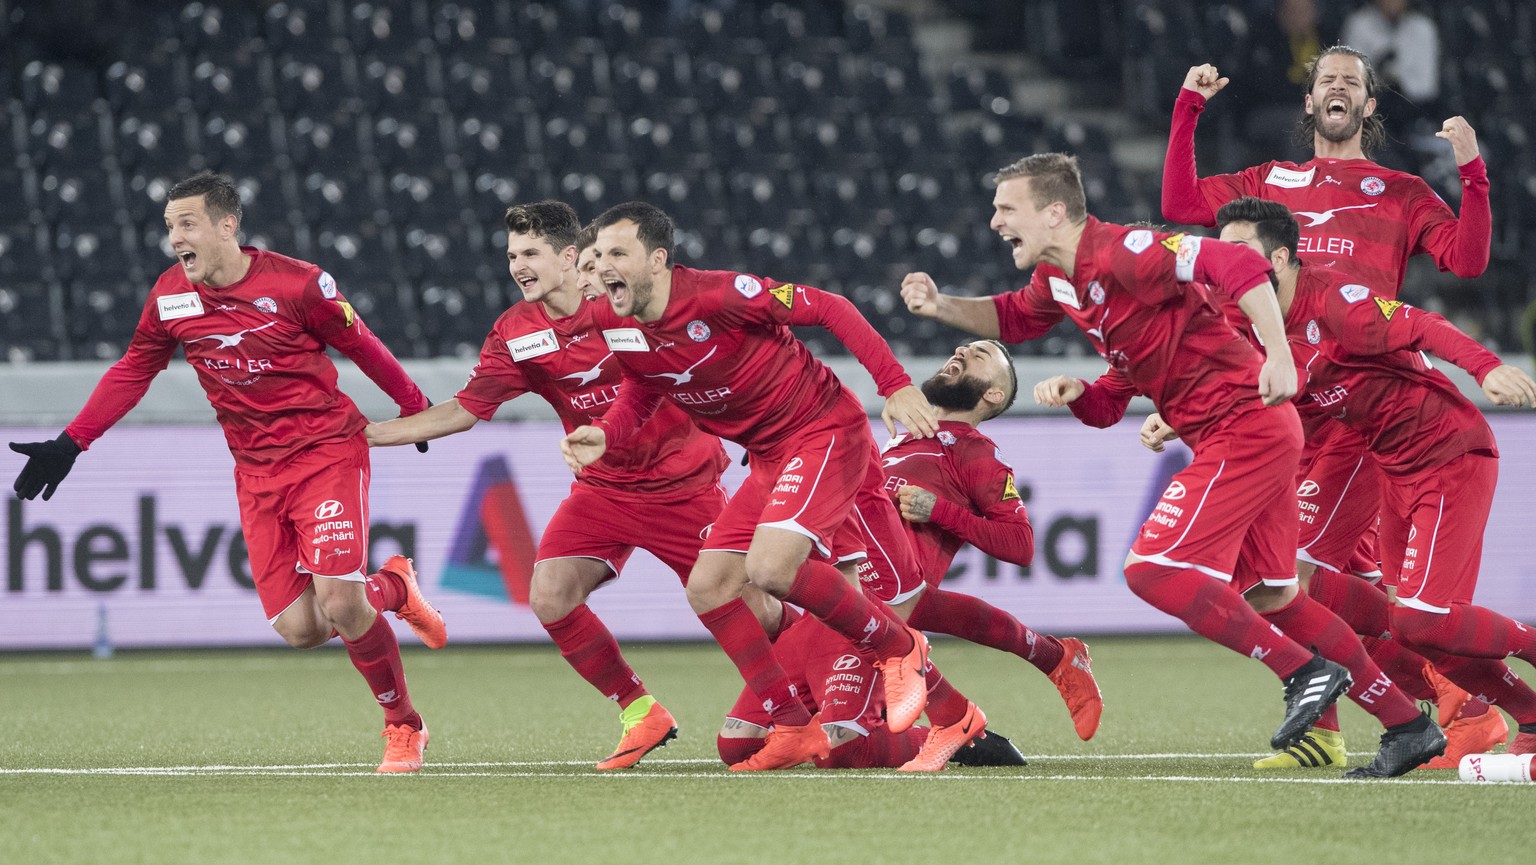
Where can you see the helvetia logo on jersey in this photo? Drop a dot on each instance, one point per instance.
(1373, 186)
(266, 305)
(328, 509)
(533, 345)
(1354, 293)
(1174, 492)
(1064, 292)
(748, 286)
(327, 285)
(184, 305)
(1096, 292)
(625, 339)
(1288, 179)
(1308, 489)
(846, 662)
(1314, 333)
(698, 331)
(1138, 240)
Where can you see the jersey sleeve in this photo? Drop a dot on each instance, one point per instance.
(1461, 246)
(126, 382)
(1187, 198)
(496, 378)
(1027, 313)
(333, 321)
(1104, 400)
(1002, 530)
(636, 403)
(1365, 323)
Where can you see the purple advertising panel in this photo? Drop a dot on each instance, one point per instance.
(141, 546)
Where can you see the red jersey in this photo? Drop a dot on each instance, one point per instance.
(1361, 363)
(1132, 292)
(258, 346)
(566, 362)
(976, 502)
(722, 352)
(1356, 216)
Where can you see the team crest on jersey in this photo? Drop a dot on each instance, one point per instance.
(1388, 307)
(1354, 293)
(327, 285)
(1288, 179)
(266, 305)
(1373, 186)
(784, 294)
(1314, 333)
(698, 331)
(748, 286)
(184, 305)
(1138, 240)
(1010, 489)
(946, 437)
(1096, 292)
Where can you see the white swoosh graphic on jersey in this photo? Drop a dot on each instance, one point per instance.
(890, 461)
(587, 376)
(682, 378)
(1320, 218)
(234, 340)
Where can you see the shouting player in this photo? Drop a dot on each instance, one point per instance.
(255, 325)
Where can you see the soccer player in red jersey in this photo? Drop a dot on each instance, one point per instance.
(1362, 353)
(255, 325)
(1131, 293)
(659, 491)
(717, 345)
(955, 489)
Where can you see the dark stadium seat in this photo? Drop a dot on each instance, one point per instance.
(69, 139)
(328, 141)
(316, 82)
(31, 316)
(62, 87)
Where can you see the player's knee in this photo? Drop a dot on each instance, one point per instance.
(734, 749)
(1267, 599)
(551, 599)
(1142, 577)
(306, 635)
(770, 575)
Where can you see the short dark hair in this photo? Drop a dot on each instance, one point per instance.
(1013, 380)
(1272, 221)
(1373, 129)
(220, 196)
(654, 227)
(587, 237)
(554, 221)
(1052, 177)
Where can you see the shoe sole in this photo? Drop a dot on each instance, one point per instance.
(609, 764)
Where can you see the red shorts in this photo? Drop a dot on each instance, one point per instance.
(890, 571)
(828, 675)
(1338, 501)
(1432, 528)
(1232, 511)
(811, 493)
(312, 519)
(594, 523)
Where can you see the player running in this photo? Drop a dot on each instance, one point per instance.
(255, 325)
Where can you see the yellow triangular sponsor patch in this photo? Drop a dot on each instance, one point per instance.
(1388, 307)
(785, 294)
(1009, 490)
(346, 309)
(1171, 242)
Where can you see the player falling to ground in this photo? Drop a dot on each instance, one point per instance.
(255, 325)
(1366, 220)
(659, 492)
(1131, 292)
(717, 345)
(955, 489)
(1362, 354)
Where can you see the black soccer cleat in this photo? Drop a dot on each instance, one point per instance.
(1403, 748)
(1308, 692)
(992, 749)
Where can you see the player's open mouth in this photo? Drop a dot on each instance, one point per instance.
(187, 259)
(1012, 241)
(617, 289)
(1337, 108)
(953, 367)
(527, 282)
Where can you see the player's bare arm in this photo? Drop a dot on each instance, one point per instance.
(912, 410)
(1510, 385)
(440, 420)
(976, 315)
(1463, 139)
(584, 446)
(916, 503)
(1205, 80)
(1277, 378)
(1155, 433)
(1058, 391)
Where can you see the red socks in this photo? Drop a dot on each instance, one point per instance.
(977, 621)
(589, 647)
(1364, 607)
(946, 705)
(1402, 665)
(1489, 680)
(825, 593)
(1467, 630)
(1311, 624)
(1211, 609)
(385, 591)
(739, 633)
(881, 749)
(376, 654)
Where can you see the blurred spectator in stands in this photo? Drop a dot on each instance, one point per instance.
(1404, 46)
(1266, 86)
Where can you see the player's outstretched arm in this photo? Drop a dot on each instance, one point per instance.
(1059, 391)
(48, 463)
(1461, 243)
(1155, 433)
(1505, 385)
(1463, 139)
(976, 315)
(438, 421)
(1182, 200)
(583, 447)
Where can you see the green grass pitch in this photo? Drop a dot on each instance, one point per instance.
(267, 757)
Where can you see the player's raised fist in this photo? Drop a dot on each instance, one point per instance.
(920, 294)
(583, 447)
(916, 503)
(1510, 385)
(1204, 80)
(1058, 390)
(1155, 433)
(1462, 136)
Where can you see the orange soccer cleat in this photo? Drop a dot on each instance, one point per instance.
(788, 747)
(1073, 677)
(425, 621)
(906, 691)
(654, 728)
(943, 742)
(1449, 697)
(1465, 736)
(403, 748)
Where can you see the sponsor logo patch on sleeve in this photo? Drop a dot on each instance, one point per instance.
(327, 285)
(1010, 490)
(784, 294)
(1354, 293)
(748, 286)
(1184, 262)
(1388, 307)
(348, 312)
(1138, 240)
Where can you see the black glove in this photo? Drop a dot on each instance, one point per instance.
(48, 463)
(422, 446)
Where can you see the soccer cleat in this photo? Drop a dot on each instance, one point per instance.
(943, 742)
(1073, 677)
(403, 748)
(425, 621)
(1309, 691)
(788, 747)
(1403, 748)
(1449, 697)
(906, 692)
(1317, 749)
(650, 731)
(993, 749)
(1479, 735)
(1524, 741)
